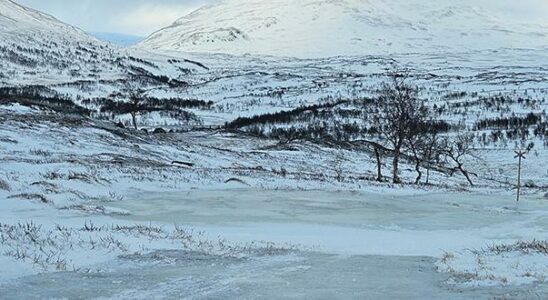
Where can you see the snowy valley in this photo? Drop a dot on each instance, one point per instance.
(238, 154)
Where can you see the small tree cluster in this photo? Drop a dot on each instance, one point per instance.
(404, 125)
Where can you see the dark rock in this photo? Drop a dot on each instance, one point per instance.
(182, 163)
(530, 184)
(236, 180)
(159, 131)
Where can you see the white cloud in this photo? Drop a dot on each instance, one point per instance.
(138, 17)
(142, 17)
(148, 18)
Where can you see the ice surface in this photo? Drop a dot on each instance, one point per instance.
(350, 245)
(349, 223)
(297, 276)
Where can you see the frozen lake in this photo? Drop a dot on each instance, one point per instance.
(297, 276)
(418, 224)
(354, 246)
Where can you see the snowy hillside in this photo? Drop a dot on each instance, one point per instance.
(314, 28)
(37, 49)
(42, 57)
(34, 44)
(91, 204)
(19, 22)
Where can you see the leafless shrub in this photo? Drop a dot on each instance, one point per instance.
(89, 177)
(447, 256)
(49, 248)
(457, 150)
(4, 185)
(53, 175)
(7, 139)
(47, 186)
(80, 177)
(29, 196)
(236, 180)
(525, 247)
(40, 152)
(114, 197)
(337, 165)
(263, 248)
(90, 227)
(109, 242)
(150, 231)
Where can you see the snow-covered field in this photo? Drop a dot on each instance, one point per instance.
(217, 214)
(106, 210)
(90, 209)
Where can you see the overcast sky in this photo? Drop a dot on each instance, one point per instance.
(136, 17)
(142, 17)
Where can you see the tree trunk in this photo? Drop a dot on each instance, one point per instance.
(395, 165)
(427, 176)
(465, 173)
(379, 165)
(134, 119)
(419, 173)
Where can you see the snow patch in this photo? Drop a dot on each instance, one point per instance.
(516, 264)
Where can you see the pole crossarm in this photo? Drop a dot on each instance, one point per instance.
(520, 155)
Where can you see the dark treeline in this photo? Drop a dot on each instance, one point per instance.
(164, 104)
(176, 103)
(142, 61)
(148, 77)
(495, 103)
(541, 130)
(137, 104)
(342, 120)
(178, 61)
(280, 117)
(42, 97)
(50, 54)
(509, 122)
(321, 131)
(16, 57)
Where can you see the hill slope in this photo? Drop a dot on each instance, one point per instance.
(34, 45)
(16, 20)
(314, 28)
(37, 49)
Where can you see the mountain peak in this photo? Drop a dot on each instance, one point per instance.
(34, 44)
(16, 18)
(338, 27)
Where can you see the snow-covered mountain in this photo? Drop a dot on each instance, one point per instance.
(44, 61)
(39, 49)
(312, 28)
(16, 21)
(34, 44)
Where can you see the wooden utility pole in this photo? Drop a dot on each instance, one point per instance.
(520, 154)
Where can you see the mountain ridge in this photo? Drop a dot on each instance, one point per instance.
(24, 19)
(37, 48)
(318, 28)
